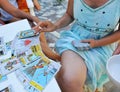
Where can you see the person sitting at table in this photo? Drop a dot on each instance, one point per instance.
(13, 13)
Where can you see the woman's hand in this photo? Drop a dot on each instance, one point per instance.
(93, 43)
(117, 50)
(45, 26)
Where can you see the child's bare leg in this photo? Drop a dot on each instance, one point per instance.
(72, 75)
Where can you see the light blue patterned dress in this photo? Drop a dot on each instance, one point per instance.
(92, 24)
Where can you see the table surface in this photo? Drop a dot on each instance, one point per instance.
(8, 32)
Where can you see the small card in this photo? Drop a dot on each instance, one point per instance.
(9, 65)
(26, 34)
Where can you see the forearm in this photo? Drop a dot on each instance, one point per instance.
(64, 21)
(8, 7)
(67, 17)
(109, 39)
(22, 15)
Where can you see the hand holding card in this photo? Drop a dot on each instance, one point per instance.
(80, 45)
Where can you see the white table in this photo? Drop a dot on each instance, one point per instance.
(8, 32)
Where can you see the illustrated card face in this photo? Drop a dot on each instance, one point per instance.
(9, 65)
(26, 34)
(7, 89)
(25, 81)
(37, 75)
(2, 78)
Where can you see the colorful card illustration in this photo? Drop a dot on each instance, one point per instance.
(26, 34)
(9, 65)
(42, 76)
(2, 78)
(38, 74)
(25, 81)
(7, 89)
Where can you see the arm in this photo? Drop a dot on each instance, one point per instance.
(109, 39)
(4, 4)
(67, 17)
(117, 50)
(104, 41)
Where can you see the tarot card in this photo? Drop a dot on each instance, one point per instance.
(7, 89)
(9, 65)
(39, 74)
(80, 46)
(26, 34)
(25, 81)
(23, 45)
(27, 50)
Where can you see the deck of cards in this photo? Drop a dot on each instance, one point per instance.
(80, 46)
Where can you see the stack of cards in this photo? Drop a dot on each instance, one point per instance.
(81, 46)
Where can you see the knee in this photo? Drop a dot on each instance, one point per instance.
(71, 81)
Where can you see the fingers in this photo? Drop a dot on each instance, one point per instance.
(37, 28)
(44, 26)
(93, 43)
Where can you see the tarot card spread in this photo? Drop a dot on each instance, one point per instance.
(32, 67)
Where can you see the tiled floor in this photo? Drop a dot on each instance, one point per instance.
(51, 12)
